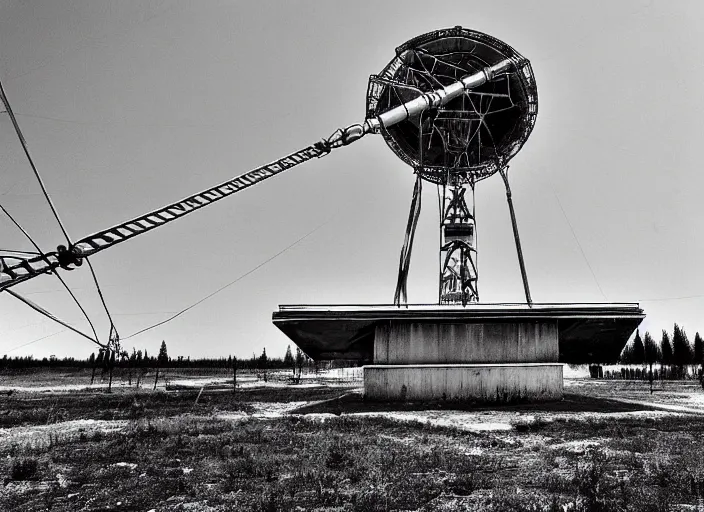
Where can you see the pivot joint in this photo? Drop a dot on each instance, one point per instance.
(69, 257)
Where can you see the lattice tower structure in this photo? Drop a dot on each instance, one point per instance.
(458, 249)
(465, 140)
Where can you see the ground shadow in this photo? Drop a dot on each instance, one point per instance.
(354, 402)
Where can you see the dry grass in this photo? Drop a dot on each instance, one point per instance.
(170, 454)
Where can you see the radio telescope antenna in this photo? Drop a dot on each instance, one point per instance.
(458, 142)
(455, 104)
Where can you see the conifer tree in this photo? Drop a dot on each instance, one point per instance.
(263, 363)
(699, 357)
(638, 354)
(666, 348)
(651, 355)
(681, 352)
(650, 349)
(626, 355)
(698, 350)
(288, 358)
(263, 360)
(163, 356)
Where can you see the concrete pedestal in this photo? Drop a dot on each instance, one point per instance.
(490, 360)
(487, 341)
(478, 353)
(481, 383)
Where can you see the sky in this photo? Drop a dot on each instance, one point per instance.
(128, 106)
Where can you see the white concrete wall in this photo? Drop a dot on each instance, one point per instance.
(448, 343)
(491, 383)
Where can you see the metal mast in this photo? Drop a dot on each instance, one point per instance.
(458, 246)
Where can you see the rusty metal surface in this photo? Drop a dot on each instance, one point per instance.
(588, 333)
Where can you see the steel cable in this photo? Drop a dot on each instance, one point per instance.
(23, 141)
(290, 246)
(44, 312)
(6, 102)
(34, 341)
(100, 294)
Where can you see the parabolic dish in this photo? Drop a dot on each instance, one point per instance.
(474, 135)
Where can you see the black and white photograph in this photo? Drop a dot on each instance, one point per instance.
(455, 262)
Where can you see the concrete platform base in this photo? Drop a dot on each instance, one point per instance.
(473, 334)
(485, 383)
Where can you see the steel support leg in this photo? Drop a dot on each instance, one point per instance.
(521, 263)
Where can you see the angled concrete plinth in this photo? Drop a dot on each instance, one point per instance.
(480, 383)
(586, 333)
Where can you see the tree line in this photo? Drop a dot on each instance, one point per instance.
(142, 359)
(674, 351)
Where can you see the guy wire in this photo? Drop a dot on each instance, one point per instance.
(8, 108)
(23, 141)
(290, 246)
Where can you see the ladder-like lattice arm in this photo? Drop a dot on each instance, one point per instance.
(13, 272)
(116, 234)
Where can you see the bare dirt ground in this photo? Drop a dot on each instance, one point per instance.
(195, 444)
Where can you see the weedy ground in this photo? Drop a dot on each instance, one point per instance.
(288, 448)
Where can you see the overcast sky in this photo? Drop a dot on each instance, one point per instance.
(128, 106)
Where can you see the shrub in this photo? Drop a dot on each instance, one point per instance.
(554, 482)
(462, 485)
(337, 457)
(240, 467)
(24, 469)
(589, 480)
(270, 502)
(513, 500)
(371, 500)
